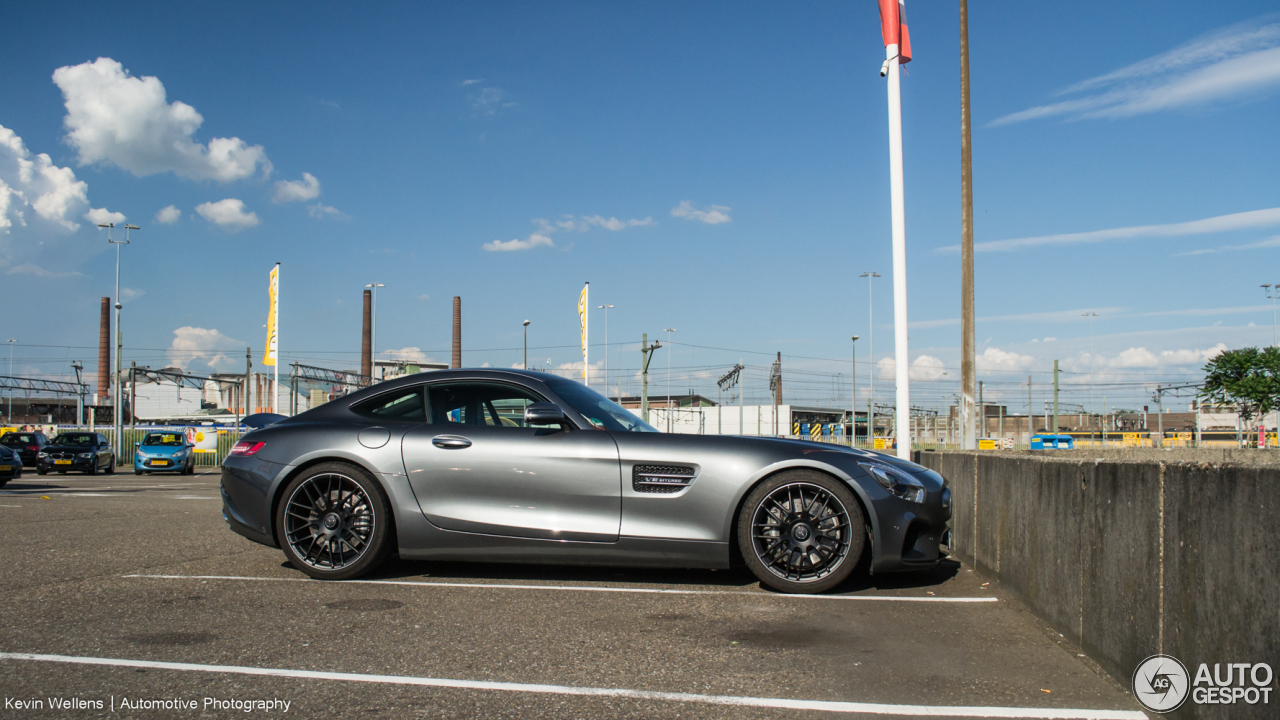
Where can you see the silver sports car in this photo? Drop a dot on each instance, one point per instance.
(518, 466)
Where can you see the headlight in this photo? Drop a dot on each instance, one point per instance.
(43, 454)
(85, 456)
(898, 482)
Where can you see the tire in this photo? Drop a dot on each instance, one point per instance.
(93, 469)
(111, 469)
(801, 531)
(136, 471)
(329, 506)
(41, 471)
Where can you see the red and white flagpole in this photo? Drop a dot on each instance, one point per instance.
(897, 51)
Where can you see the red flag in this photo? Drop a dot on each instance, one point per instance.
(893, 27)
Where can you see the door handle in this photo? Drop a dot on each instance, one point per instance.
(450, 442)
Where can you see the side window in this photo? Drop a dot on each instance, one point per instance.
(480, 403)
(102, 439)
(404, 404)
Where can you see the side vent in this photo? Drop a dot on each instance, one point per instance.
(661, 478)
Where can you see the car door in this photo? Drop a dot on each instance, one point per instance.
(475, 467)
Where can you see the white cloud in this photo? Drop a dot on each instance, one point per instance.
(1238, 61)
(1268, 217)
(308, 188)
(408, 354)
(489, 101)
(534, 240)
(100, 216)
(168, 215)
(573, 370)
(465, 83)
(997, 360)
(711, 215)
(924, 367)
(320, 210)
(36, 270)
(34, 182)
(424, 297)
(613, 223)
(1270, 242)
(228, 213)
(126, 121)
(129, 294)
(210, 346)
(1140, 357)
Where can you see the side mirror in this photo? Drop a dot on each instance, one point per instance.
(543, 413)
(137, 444)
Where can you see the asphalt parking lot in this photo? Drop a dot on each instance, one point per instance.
(123, 588)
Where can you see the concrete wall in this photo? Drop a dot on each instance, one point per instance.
(1129, 559)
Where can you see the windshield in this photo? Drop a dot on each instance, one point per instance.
(598, 409)
(73, 440)
(170, 439)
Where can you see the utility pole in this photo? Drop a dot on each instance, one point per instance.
(646, 352)
(133, 394)
(871, 349)
(741, 392)
(727, 381)
(606, 347)
(1031, 425)
(968, 344)
(248, 380)
(525, 364)
(1092, 408)
(1054, 429)
(668, 331)
(982, 413)
(77, 366)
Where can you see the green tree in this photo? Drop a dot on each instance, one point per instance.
(1248, 378)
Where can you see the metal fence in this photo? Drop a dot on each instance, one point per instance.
(212, 455)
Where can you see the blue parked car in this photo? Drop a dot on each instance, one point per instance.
(164, 452)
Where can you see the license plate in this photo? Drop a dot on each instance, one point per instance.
(61, 462)
(6, 468)
(159, 463)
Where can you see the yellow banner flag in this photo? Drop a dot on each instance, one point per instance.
(269, 357)
(582, 327)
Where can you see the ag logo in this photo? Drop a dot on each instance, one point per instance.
(1161, 683)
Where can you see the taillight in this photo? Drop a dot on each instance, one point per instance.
(33, 448)
(246, 448)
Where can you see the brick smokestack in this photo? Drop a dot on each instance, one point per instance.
(457, 332)
(366, 337)
(104, 351)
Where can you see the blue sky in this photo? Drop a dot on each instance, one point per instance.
(720, 168)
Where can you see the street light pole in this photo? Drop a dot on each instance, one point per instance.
(668, 331)
(853, 376)
(606, 347)
(1092, 408)
(525, 364)
(871, 349)
(11, 343)
(1273, 291)
(115, 394)
(373, 324)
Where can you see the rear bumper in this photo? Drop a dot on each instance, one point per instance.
(247, 485)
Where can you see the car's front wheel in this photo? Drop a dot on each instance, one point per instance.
(801, 531)
(334, 522)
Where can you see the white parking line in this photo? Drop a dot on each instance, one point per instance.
(740, 701)
(585, 588)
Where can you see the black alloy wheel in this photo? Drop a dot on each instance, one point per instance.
(801, 531)
(334, 522)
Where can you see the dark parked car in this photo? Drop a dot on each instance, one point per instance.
(518, 466)
(84, 451)
(27, 444)
(10, 465)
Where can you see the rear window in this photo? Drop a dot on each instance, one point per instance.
(18, 439)
(403, 404)
(68, 439)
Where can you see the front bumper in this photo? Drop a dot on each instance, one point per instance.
(13, 471)
(169, 464)
(911, 533)
(77, 464)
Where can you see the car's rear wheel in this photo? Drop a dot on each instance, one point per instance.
(801, 531)
(334, 522)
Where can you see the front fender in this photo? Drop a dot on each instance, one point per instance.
(868, 509)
